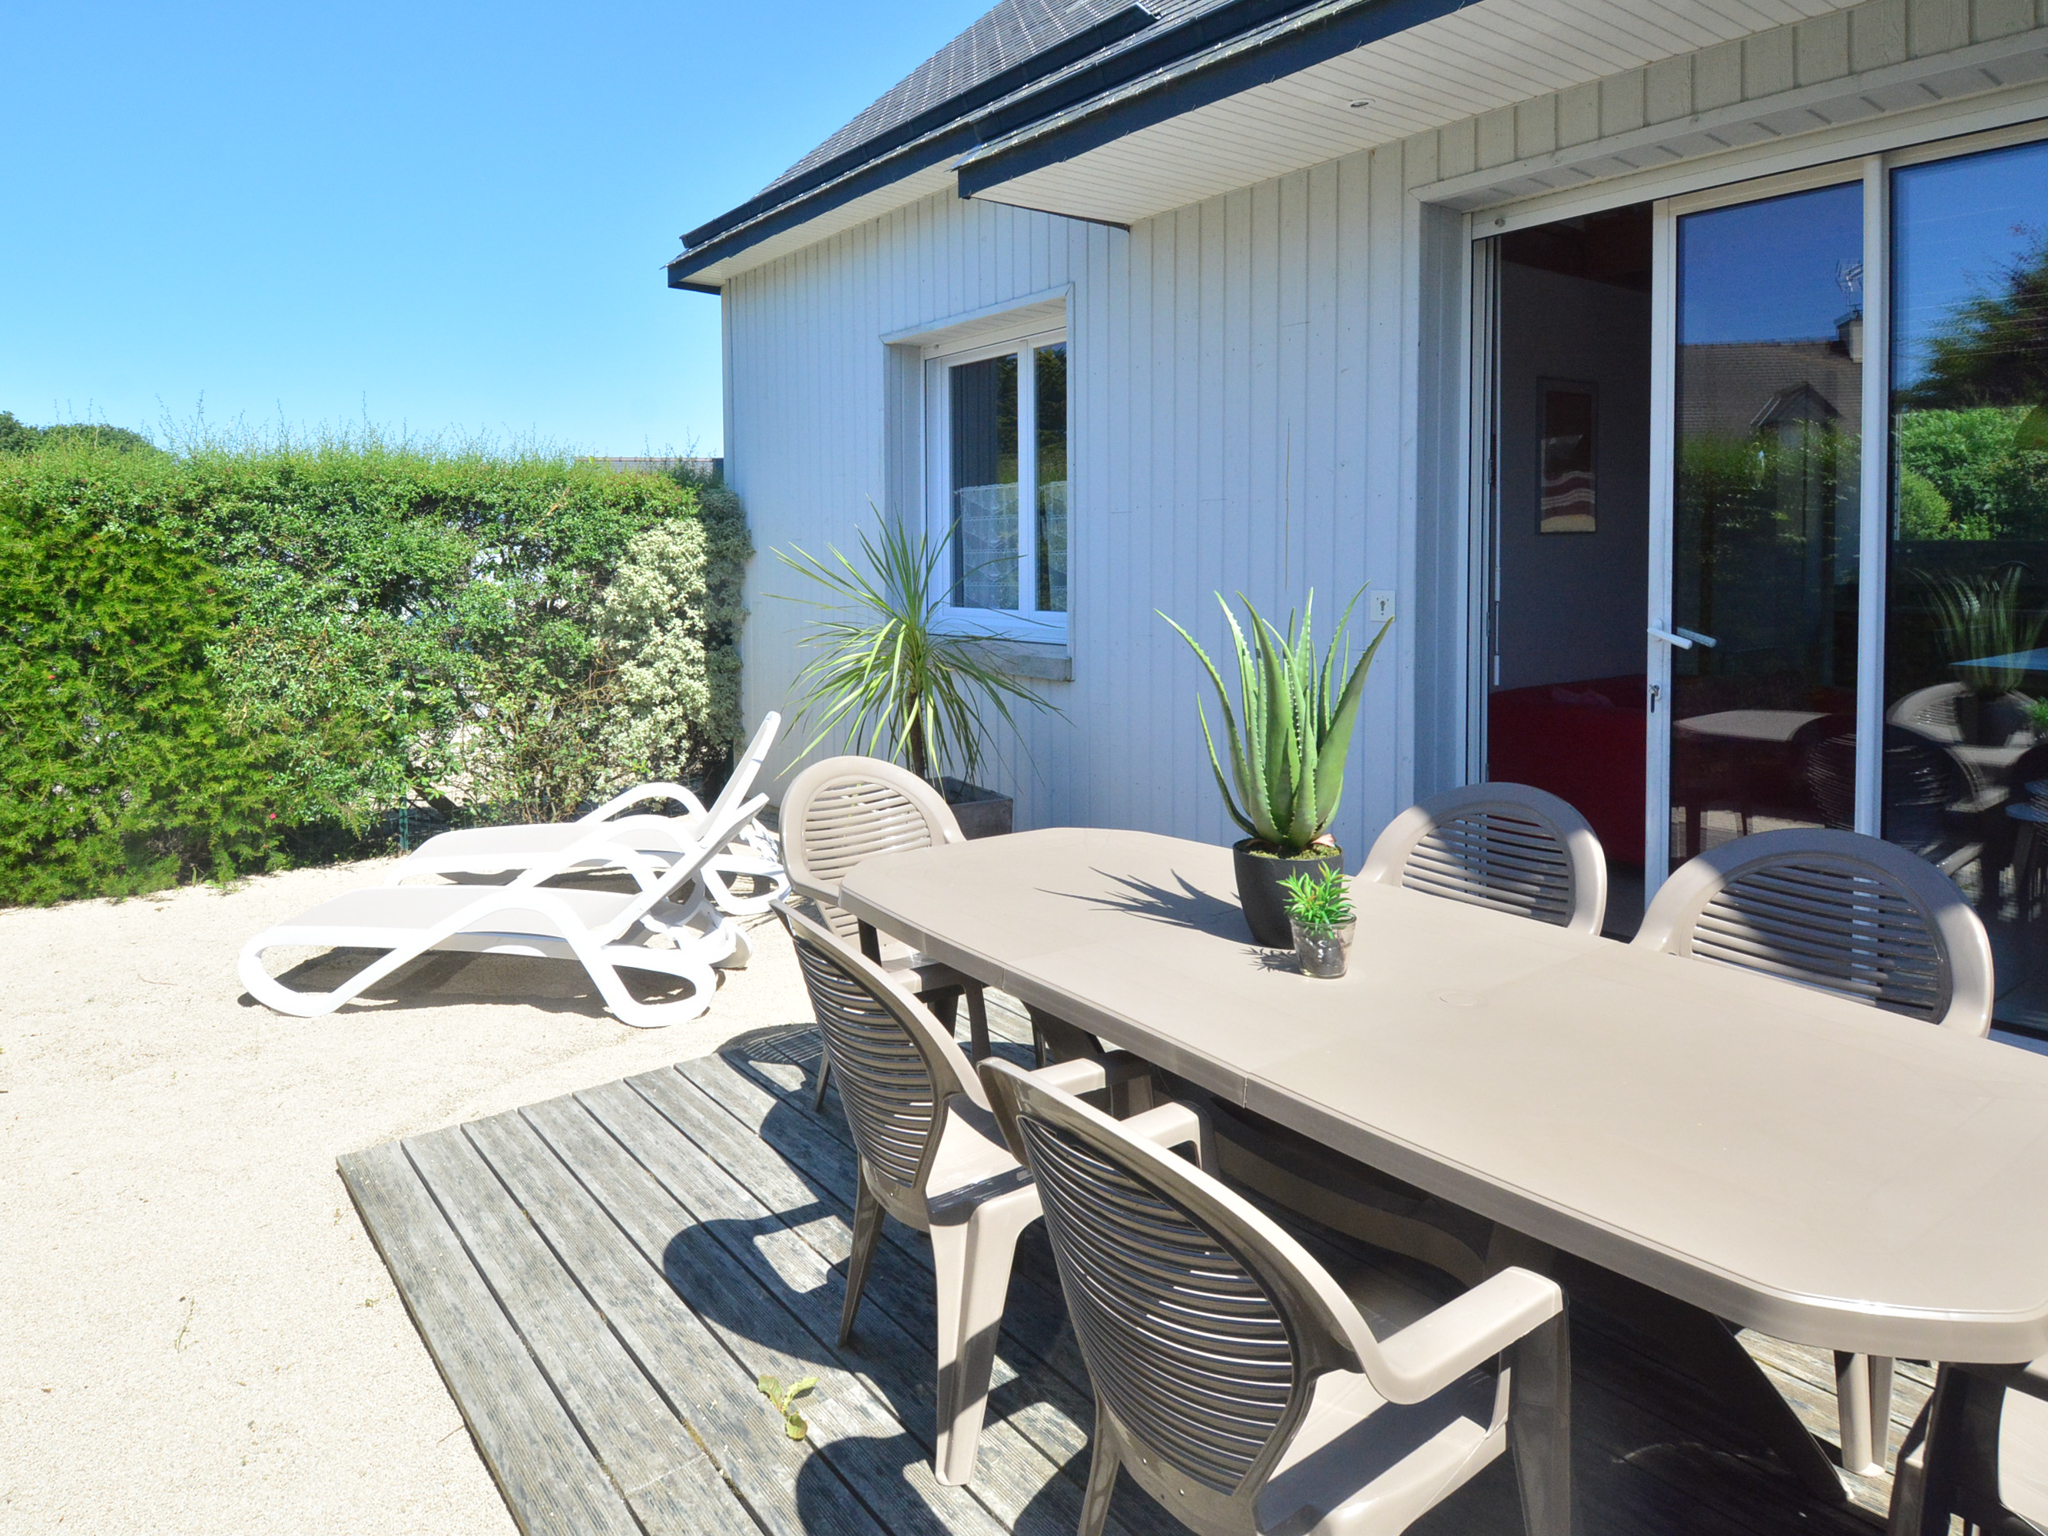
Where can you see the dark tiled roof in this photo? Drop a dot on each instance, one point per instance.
(1009, 53)
(1012, 32)
(1020, 63)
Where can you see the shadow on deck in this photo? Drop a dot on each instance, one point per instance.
(602, 1279)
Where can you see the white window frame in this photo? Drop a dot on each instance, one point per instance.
(1024, 623)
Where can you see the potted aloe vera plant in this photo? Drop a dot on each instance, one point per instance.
(1287, 757)
(1320, 914)
(888, 670)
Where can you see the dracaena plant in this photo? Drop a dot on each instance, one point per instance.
(1298, 709)
(886, 667)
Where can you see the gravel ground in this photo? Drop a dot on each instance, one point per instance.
(199, 1335)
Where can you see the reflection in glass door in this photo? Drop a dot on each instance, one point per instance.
(1966, 655)
(1768, 386)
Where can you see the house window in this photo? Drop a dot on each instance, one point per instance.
(998, 442)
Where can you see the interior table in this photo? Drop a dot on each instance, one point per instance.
(1817, 1170)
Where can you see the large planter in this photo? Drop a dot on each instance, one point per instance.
(980, 812)
(1261, 894)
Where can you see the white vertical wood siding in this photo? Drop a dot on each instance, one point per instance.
(1239, 374)
(1266, 393)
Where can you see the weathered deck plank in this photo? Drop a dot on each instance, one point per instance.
(680, 1357)
(549, 1478)
(636, 1437)
(601, 1278)
(1028, 1447)
(858, 1472)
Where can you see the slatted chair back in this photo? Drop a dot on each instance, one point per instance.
(846, 809)
(1506, 847)
(1839, 911)
(1922, 778)
(1203, 1324)
(896, 1067)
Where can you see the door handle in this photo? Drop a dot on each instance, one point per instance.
(1696, 637)
(1677, 642)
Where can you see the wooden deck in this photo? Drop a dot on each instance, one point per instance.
(602, 1279)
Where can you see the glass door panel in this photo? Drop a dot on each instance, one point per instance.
(984, 400)
(1966, 655)
(1768, 404)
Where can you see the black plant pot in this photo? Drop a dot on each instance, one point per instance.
(1261, 894)
(980, 812)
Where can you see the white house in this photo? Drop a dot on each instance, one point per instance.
(1573, 330)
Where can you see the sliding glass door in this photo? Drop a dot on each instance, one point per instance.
(1760, 647)
(1797, 429)
(1965, 771)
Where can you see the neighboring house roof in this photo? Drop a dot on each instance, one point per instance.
(1734, 389)
(1024, 62)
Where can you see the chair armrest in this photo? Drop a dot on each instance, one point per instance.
(2030, 1379)
(1084, 1074)
(823, 895)
(1461, 1335)
(1176, 1124)
(1087, 1074)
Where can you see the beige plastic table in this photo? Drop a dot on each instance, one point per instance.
(1820, 1171)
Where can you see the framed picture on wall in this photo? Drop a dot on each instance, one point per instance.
(1567, 484)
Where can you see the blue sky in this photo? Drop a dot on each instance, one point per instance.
(1771, 271)
(445, 218)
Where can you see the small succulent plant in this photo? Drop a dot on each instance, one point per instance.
(1319, 900)
(783, 1401)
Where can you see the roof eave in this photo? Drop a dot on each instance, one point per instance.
(1070, 86)
(872, 177)
(1071, 50)
(1222, 71)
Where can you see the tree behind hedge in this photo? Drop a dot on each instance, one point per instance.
(125, 764)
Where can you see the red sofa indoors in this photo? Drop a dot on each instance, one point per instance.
(1583, 742)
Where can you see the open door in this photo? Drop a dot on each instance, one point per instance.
(1569, 467)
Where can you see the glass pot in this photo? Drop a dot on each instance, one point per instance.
(1324, 948)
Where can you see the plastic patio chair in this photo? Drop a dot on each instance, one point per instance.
(1235, 1378)
(644, 845)
(929, 1155)
(843, 810)
(606, 932)
(1980, 1450)
(1506, 847)
(1854, 916)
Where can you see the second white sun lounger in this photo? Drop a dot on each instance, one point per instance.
(605, 932)
(644, 845)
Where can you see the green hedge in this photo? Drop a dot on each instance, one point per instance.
(311, 637)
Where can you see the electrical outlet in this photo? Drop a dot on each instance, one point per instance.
(1382, 607)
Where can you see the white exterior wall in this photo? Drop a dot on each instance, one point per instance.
(1236, 423)
(1267, 395)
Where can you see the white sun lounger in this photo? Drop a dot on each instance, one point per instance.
(643, 845)
(606, 932)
